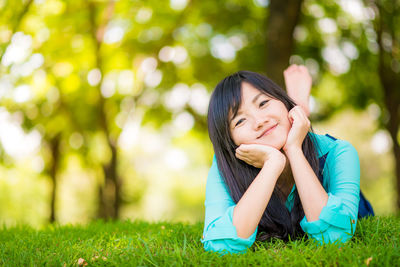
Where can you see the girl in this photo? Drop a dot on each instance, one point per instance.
(272, 176)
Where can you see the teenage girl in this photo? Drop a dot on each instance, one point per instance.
(272, 176)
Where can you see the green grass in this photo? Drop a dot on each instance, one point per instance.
(168, 244)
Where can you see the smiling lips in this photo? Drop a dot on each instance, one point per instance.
(267, 131)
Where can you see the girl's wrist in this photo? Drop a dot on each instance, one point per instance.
(292, 151)
(278, 163)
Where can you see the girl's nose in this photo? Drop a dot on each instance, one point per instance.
(259, 121)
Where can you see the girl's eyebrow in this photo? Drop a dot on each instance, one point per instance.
(253, 101)
(256, 97)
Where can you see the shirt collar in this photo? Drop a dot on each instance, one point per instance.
(324, 143)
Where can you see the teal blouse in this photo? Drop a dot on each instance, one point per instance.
(336, 223)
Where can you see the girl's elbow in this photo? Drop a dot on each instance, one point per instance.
(333, 237)
(223, 247)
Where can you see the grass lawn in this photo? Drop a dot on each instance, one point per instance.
(376, 243)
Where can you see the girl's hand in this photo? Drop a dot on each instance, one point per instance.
(300, 126)
(298, 83)
(258, 155)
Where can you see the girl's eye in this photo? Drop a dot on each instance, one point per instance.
(263, 103)
(239, 122)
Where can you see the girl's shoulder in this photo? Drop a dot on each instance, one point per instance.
(326, 143)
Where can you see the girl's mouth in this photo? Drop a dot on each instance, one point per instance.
(266, 132)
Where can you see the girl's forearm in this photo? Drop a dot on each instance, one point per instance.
(250, 208)
(312, 194)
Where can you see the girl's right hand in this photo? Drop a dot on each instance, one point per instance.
(259, 155)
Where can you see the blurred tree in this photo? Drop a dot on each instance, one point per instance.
(105, 62)
(388, 37)
(13, 18)
(109, 190)
(282, 19)
(352, 51)
(13, 21)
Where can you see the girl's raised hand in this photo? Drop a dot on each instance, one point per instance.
(300, 126)
(298, 83)
(259, 155)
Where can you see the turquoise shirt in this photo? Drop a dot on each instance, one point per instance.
(336, 222)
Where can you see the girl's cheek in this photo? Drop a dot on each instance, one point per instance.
(241, 135)
(236, 137)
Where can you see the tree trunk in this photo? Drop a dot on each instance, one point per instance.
(109, 191)
(391, 89)
(283, 18)
(389, 79)
(55, 152)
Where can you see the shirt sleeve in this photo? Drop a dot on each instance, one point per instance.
(219, 233)
(337, 221)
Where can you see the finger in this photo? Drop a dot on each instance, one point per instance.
(238, 155)
(239, 152)
(242, 148)
(295, 114)
(302, 112)
(305, 118)
(244, 153)
(302, 117)
(294, 109)
(245, 159)
(245, 148)
(290, 117)
(298, 110)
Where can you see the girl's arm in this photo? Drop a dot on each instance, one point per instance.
(338, 219)
(220, 234)
(312, 194)
(250, 208)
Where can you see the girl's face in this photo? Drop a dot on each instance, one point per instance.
(260, 119)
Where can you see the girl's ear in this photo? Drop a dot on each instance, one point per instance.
(290, 117)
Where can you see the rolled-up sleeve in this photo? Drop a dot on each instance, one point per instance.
(337, 220)
(219, 233)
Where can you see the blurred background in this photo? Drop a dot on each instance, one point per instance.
(103, 103)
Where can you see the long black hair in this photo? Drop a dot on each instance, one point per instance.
(277, 221)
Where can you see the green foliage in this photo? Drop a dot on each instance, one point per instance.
(376, 243)
(65, 104)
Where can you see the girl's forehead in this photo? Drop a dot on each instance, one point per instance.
(250, 94)
(248, 88)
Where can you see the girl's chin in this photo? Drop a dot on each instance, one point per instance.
(277, 141)
(279, 144)
(274, 145)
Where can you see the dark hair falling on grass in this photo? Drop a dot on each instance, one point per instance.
(276, 221)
